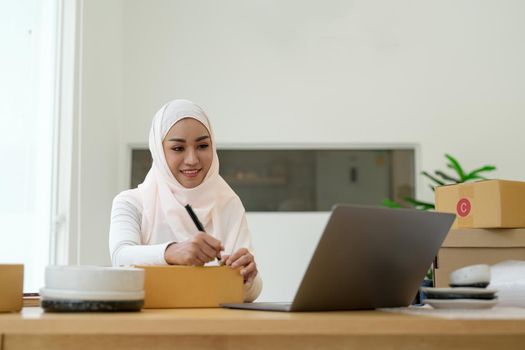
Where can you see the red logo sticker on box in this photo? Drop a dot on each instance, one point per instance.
(463, 207)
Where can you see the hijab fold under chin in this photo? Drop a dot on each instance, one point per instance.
(164, 198)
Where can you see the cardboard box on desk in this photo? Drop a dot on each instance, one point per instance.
(484, 204)
(186, 286)
(11, 287)
(464, 247)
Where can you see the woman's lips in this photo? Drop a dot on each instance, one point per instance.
(190, 172)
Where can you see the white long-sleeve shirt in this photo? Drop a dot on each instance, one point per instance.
(127, 247)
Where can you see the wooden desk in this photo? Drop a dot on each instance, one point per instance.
(237, 329)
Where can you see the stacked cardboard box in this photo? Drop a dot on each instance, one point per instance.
(190, 287)
(11, 287)
(489, 226)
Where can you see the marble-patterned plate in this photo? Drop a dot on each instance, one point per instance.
(461, 303)
(459, 293)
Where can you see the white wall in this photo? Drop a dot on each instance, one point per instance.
(446, 75)
(100, 114)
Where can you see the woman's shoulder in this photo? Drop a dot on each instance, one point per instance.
(231, 203)
(228, 197)
(128, 197)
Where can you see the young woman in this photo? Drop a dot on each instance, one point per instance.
(150, 224)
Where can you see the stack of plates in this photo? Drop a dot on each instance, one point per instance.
(460, 298)
(92, 288)
(468, 290)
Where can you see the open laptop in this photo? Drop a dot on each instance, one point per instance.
(367, 257)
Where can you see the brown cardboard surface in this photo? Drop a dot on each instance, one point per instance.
(11, 287)
(463, 247)
(479, 237)
(452, 258)
(186, 286)
(484, 204)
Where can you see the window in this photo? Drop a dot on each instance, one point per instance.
(307, 179)
(27, 67)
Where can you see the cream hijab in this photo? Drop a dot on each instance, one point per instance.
(163, 197)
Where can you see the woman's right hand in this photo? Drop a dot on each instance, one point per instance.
(196, 251)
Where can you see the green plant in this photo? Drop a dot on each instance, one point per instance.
(440, 178)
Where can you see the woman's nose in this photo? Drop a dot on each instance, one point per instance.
(191, 157)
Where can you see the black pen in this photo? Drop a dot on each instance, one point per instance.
(197, 222)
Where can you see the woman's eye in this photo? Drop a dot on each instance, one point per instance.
(203, 146)
(178, 149)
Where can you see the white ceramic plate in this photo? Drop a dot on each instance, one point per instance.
(94, 279)
(62, 294)
(83, 282)
(460, 303)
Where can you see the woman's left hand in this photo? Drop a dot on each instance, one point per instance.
(243, 259)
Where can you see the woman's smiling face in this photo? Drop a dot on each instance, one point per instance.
(188, 151)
